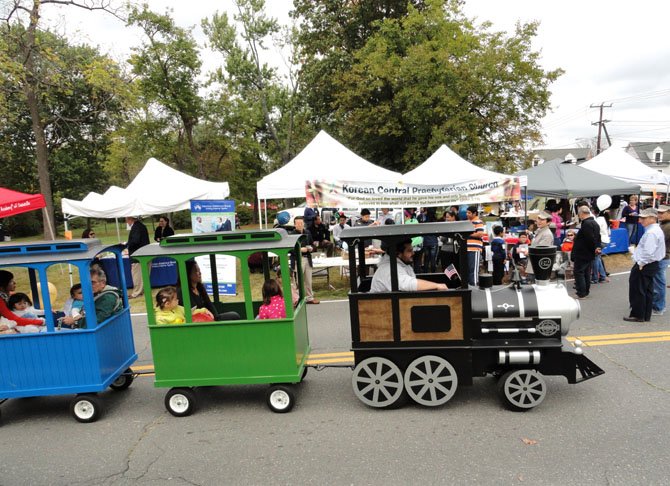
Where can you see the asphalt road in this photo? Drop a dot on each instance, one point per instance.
(614, 429)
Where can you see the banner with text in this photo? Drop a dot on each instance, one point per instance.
(358, 194)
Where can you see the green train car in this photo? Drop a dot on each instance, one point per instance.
(237, 350)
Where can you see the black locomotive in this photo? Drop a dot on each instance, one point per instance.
(428, 343)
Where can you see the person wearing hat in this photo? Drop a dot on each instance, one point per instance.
(584, 251)
(137, 238)
(647, 255)
(543, 236)
(658, 304)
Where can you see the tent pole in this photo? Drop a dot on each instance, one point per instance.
(266, 213)
(260, 214)
(69, 266)
(525, 208)
(118, 232)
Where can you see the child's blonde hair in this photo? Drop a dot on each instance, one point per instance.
(165, 295)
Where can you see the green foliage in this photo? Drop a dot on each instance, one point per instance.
(168, 65)
(246, 214)
(259, 114)
(81, 94)
(330, 33)
(423, 79)
(24, 224)
(181, 220)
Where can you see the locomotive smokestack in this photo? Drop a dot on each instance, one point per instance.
(542, 258)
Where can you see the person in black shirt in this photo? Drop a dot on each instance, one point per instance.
(163, 230)
(137, 238)
(321, 236)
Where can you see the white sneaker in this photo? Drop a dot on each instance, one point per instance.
(657, 313)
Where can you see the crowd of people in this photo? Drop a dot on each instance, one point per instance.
(580, 232)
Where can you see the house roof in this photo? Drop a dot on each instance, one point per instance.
(579, 153)
(644, 151)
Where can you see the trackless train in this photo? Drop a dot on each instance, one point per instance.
(421, 345)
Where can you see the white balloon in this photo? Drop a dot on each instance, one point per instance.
(603, 202)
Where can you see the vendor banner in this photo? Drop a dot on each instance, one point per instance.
(358, 194)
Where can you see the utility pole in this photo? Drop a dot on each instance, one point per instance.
(601, 125)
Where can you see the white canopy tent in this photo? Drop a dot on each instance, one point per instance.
(156, 189)
(617, 163)
(324, 158)
(446, 166)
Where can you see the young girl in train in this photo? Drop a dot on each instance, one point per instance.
(21, 305)
(273, 301)
(168, 310)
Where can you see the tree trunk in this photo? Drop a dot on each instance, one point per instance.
(32, 100)
(188, 128)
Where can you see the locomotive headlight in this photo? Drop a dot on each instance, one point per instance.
(554, 302)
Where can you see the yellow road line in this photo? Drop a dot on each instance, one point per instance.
(143, 367)
(324, 361)
(621, 336)
(328, 355)
(626, 341)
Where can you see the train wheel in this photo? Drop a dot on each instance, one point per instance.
(280, 398)
(430, 381)
(522, 390)
(377, 382)
(123, 381)
(180, 402)
(86, 408)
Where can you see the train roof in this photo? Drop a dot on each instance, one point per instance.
(221, 242)
(398, 230)
(51, 251)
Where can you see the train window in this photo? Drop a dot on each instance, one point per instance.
(431, 318)
(222, 278)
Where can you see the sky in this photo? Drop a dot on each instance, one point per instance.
(612, 52)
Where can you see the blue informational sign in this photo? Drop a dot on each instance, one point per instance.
(209, 216)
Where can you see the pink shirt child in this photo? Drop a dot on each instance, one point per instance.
(274, 310)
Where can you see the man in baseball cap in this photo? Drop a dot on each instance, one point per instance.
(647, 255)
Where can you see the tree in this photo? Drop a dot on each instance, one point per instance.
(257, 109)
(25, 64)
(331, 31)
(168, 65)
(434, 78)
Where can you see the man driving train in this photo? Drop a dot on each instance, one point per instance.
(407, 281)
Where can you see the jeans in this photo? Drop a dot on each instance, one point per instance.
(598, 271)
(582, 271)
(658, 303)
(429, 258)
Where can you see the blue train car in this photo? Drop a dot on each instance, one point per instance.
(57, 360)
